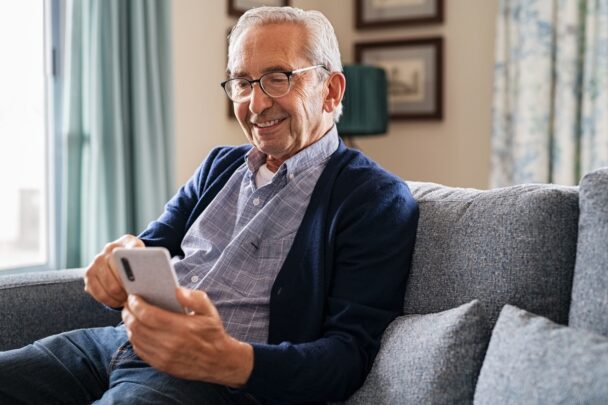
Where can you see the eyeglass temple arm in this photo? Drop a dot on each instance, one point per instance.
(309, 68)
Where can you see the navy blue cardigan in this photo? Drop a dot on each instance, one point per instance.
(343, 280)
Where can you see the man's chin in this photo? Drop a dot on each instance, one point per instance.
(272, 149)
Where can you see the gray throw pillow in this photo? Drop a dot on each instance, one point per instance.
(514, 245)
(589, 306)
(532, 360)
(428, 359)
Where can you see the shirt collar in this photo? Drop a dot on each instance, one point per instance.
(310, 156)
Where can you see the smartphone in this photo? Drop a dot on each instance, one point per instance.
(149, 273)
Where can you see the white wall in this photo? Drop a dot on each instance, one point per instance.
(454, 151)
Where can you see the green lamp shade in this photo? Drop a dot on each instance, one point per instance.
(365, 101)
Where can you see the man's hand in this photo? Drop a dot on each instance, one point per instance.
(191, 346)
(102, 280)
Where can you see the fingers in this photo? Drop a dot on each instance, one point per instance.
(136, 328)
(144, 315)
(102, 280)
(197, 301)
(108, 276)
(96, 288)
(145, 341)
(152, 316)
(101, 284)
(129, 242)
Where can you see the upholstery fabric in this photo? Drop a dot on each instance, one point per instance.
(428, 359)
(532, 360)
(513, 245)
(36, 305)
(589, 308)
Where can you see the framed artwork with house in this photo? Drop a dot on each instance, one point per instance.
(391, 13)
(414, 71)
(236, 8)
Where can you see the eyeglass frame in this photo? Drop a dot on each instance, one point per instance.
(259, 81)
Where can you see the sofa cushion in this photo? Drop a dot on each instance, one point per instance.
(427, 359)
(532, 360)
(513, 245)
(589, 306)
(39, 304)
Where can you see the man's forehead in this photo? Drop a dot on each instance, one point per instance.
(267, 48)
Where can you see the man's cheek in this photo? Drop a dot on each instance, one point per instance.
(240, 112)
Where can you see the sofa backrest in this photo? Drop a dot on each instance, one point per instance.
(589, 308)
(38, 304)
(514, 245)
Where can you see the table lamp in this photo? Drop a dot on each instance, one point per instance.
(365, 103)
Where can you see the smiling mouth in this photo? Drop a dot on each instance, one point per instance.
(268, 124)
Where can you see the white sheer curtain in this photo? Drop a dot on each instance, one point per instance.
(550, 119)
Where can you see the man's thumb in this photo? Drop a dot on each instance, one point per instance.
(197, 301)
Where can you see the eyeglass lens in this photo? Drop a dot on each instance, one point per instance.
(275, 84)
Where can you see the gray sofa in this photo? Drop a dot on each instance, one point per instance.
(507, 300)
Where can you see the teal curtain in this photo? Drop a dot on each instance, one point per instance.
(116, 127)
(550, 120)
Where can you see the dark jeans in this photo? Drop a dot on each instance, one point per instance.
(97, 366)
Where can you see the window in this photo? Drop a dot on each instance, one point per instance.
(23, 136)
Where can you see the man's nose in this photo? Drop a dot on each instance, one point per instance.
(259, 100)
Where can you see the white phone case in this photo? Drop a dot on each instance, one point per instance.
(149, 273)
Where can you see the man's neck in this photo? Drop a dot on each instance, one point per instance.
(273, 163)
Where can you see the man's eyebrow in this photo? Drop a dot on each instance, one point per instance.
(235, 74)
(275, 68)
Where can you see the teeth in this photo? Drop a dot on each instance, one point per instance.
(267, 123)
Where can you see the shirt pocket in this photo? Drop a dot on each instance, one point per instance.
(260, 262)
(274, 248)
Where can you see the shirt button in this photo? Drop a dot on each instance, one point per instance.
(256, 201)
(194, 279)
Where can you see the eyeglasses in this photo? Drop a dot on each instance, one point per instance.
(273, 84)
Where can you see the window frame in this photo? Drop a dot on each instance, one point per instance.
(53, 17)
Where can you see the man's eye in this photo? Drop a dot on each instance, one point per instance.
(278, 80)
(240, 85)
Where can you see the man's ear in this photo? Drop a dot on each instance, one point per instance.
(335, 91)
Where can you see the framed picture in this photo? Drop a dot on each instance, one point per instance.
(414, 72)
(237, 7)
(390, 13)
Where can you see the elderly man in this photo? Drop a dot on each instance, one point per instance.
(292, 253)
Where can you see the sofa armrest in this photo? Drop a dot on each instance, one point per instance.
(39, 304)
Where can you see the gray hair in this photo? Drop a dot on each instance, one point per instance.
(321, 47)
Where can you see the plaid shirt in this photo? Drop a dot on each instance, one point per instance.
(236, 247)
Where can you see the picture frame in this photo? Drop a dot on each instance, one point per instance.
(236, 8)
(414, 70)
(391, 13)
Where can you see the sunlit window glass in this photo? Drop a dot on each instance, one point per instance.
(23, 201)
